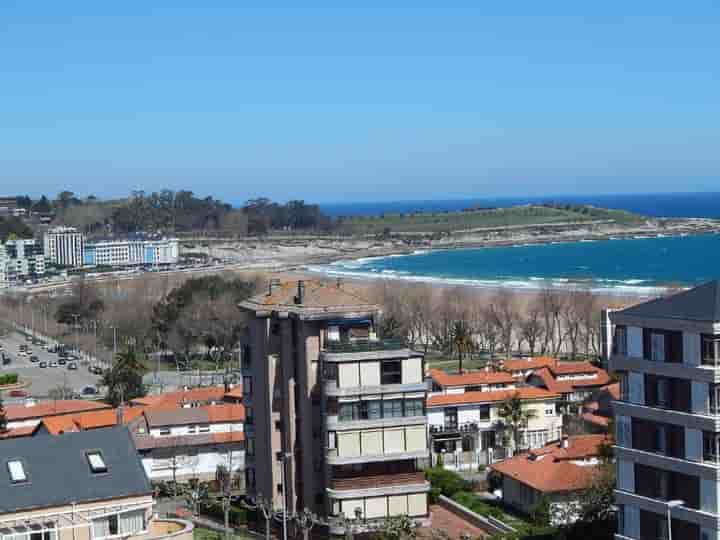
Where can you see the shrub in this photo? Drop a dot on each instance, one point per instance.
(9, 378)
(447, 482)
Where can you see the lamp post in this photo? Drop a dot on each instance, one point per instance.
(670, 505)
(283, 460)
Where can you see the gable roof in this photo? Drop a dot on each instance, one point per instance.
(468, 398)
(204, 394)
(549, 380)
(700, 303)
(469, 379)
(59, 474)
(16, 413)
(522, 364)
(550, 468)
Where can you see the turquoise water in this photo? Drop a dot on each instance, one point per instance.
(633, 266)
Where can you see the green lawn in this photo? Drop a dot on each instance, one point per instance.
(201, 533)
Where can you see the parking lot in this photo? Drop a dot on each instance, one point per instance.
(42, 380)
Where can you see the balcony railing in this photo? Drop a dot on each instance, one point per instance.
(465, 427)
(364, 345)
(377, 481)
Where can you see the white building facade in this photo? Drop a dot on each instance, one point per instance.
(64, 246)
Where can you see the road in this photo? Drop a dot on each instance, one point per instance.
(42, 380)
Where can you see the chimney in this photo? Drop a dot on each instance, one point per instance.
(300, 298)
(274, 283)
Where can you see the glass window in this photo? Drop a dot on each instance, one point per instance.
(414, 407)
(349, 411)
(391, 372)
(374, 409)
(710, 349)
(451, 418)
(657, 347)
(550, 410)
(17, 471)
(620, 341)
(392, 408)
(97, 463)
(484, 412)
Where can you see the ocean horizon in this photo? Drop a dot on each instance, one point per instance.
(623, 267)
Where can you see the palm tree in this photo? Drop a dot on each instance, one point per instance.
(462, 341)
(515, 417)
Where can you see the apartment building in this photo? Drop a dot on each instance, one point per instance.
(338, 419)
(466, 429)
(64, 246)
(24, 259)
(136, 250)
(667, 356)
(3, 266)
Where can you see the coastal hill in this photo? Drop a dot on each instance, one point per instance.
(485, 218)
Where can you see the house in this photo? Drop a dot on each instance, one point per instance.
(574, 381)
(185, 443)
(78, 486)
(666, 353)
(442, 382)
(339, 414)
(558, 471)
(466, 429)
(521, 368)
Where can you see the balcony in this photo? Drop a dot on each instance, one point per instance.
(363, 345)
(377, 481)
(454, 428)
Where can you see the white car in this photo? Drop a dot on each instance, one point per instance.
(53, 364)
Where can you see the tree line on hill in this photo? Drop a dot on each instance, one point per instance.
(176, 212)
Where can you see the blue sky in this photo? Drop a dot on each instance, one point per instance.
(380, 101)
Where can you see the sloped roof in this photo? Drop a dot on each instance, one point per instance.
(59, 474)
(550, 382)
(51, 408)
(203, 394)
(148, 442)
(700, 303)
(521, 364)
(69, 423)
(467, 398)
(550, 469)
(469, 379)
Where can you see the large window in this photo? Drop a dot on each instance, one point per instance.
(484, 412)
(414, 407)
(711, 350)
(392, 408)
(377, 409)
(391, 372)
(451, 417)
(620, 340)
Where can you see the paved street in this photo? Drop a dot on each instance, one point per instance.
(42, 379)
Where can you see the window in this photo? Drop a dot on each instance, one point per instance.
(96, 461)
(164, 431)
(392, 408)
(710, 350)
(663, 399)
(349, 411)
(132, 523)
(17, 471)
(624, 386)
(484, 412)
(204, 429)
(414, 407)
(105, 526)
(620, 341)
(247, 386)
(661, 439)
(451, 418)
(249, 418)
(371, 410)
(250, 447)
(657, 347)
(550, 410)
(391, 372)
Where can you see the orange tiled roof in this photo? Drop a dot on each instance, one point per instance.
(177, 398)
(89, 420)
(571, 368)
(569, 386)
(225, 413)
(24, 431)
(235, 393)
(468, 379)
(550, 469)
(521, 364)
(528, 392)
(51, 408)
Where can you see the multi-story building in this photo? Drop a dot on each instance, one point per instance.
(467, 430)
(64, 246)
(667, 356)
(24, 259)
(132, 251)
(3, 266)
(338, 417)
(574, 381)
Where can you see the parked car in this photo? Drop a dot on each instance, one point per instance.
(72, 365)
(34, 358)
(54, 364)
(18, 393)
(96, 370)
(43, 364)
(62, 361)
(89, 390)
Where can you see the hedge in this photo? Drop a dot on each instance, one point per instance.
(238, 516)
(10, 378)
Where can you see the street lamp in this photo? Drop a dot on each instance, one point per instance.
(670, 505)
(283, 460)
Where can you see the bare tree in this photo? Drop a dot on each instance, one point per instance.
(550, 303)
(531, 327)
(504, 315)
(572, 321)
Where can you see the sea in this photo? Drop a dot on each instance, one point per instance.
(624, 267)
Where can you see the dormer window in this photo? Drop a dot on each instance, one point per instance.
(17, 471)
(96, 461)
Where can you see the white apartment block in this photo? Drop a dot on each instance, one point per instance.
(131, 252)
(3, 267)
(64, 246)
(666, 353)
(24, 258)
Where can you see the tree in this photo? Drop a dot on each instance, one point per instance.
(124, 379)
(515, 417)
(597, 501)
(61, 391)
(503, 314)
(540, 512)
(550, 304)
(397, 528)
(462, 341)
(3, 417)
(531, 327)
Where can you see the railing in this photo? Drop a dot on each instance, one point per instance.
(377, 481)
(364, 345)
(465, 427)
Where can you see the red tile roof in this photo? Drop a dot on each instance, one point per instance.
(528, 392)
(550, 469)
(470, 379)
(225, 413)
(568, 386)
(176, 399)
(317, 295)
(522, 364)
(44, 409)
(24, 431)
(89, 420)
(599, 410)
